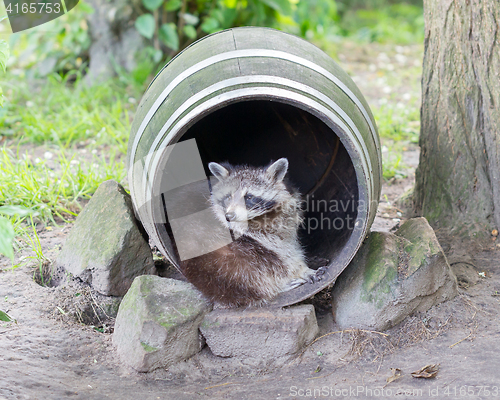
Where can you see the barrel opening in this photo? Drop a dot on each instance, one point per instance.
(257, 131)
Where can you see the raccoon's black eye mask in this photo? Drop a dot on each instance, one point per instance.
(253, 202)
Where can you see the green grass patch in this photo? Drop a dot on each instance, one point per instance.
(398, 124)
(64, 113)
(399, 129)
(63, 139)
(59, 116)
(400, 23)
(53, 191)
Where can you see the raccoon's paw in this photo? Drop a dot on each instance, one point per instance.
(317, 275)
(294, 284)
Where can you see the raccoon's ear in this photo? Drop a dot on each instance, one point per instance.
(277, 171)
(218, 170)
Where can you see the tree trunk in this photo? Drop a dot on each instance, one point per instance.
(458, 178)
(115, 41)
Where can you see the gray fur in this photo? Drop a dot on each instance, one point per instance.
(278, 170)
(273, 229)
(218, 170)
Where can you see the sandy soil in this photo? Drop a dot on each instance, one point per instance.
(60, 345)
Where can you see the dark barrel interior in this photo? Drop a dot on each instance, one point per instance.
(255, 132)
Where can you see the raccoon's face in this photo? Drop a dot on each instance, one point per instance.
(244, 193)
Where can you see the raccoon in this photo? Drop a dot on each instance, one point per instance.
(265, 257)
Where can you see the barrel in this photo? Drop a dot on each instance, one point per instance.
(250, 96)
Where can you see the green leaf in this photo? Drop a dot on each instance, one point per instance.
(168, 35)
(145, 25)
(4, 54)
(282, 6)
(157, 55)
(4, 317)
(16, 210)
(190, 19)
(189, 31)
(86, 8)
(210, 25)
(152, 5)
(230, 3)
(6, 238)
(172, 5)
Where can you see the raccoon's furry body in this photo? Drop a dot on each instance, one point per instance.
(265, 258)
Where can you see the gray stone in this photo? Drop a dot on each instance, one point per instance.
(157, 323)
(105, 246)
(392, 276)
(262, 333)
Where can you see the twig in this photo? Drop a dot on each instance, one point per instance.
(323, 376)
(462, 262)
(98, 305)
(460, 341)
(222, 384)
(342, 333)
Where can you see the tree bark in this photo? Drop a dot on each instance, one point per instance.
(115, 41)
(458, 178)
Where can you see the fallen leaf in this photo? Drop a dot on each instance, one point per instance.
(5, 317)
(427, 372)
(396, 374)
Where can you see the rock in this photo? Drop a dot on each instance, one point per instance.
(261, 333)
(157, 323)
(105, 247)
(392, 276)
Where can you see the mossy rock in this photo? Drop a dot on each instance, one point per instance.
(107, 247)
(157, 323)
(392, 276)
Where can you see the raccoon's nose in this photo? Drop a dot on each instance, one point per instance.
(230, 216)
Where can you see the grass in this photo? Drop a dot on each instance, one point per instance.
(399, 130)
(60, 140)
(53, 191)
(400, 23)
(65, 113)
(84, 132)
(67, 117)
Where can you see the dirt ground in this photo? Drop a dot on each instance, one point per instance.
(60, 345)
(49, 354)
